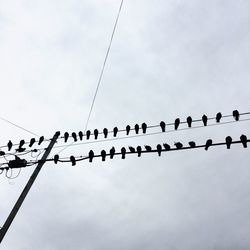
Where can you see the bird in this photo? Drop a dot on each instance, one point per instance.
(32, 141)
(204, 119)
(103, 154)
(96, 132)
(91, 155)
(208, 144)
(20, 150)
(56, 158)
(189, 121)
(88, 133)
(127, 129)
(123, 151)
(132, 149)
(218, 117)
(2, 153)
(166, 146)
(21, 143)
(159, 149)
(9, 145)
(112, 152)
(163, 126)
(105, 132)
(148, 148)
(115, 130)
(236, 115)
(73, 160)
(74, 136)
(228, 141)
(192, 144)
(144, 127)
(176, 123)
(80, 135)
(137, 128)
(66, 136)
(138, 149)
(178, 145)
(41, 139)
(243, 140)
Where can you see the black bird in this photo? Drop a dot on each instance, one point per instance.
(103, 154)
(189, 121)
(132, 150)
(80, 135)
(73, 160)
(243, 139)
(166, 146)
(115, 130)
(228, 141)
(41, 139)
(112, 152)
(176, 123)
(139, 151)
(178, 145)
(32, 141)
(20, 150)
(127, 129)
(159, 149)
(218, 117)
(22, 142)
(96, 132)
(236, 115)
(163, 126)
(66, 136)
(56, 158)
(137, 128)
(88, 133)
(148, 148)
(204, 119)
(74, 136)
(105, 132)
(9, 145)
(2, 153)
(192, 144)
(123, 151)
(91, 155)
(144, 127)
(208, 144)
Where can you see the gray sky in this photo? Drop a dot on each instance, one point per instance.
(168, 59)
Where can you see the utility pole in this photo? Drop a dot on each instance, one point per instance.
(26, 189)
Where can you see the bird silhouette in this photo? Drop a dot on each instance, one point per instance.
(20, 150)
(192, 144)
(243, 140)
(73, 160)
(178, 145)
(96, 132)
(32, 141)
(166, 146)
(80, 135)
(88, 133)
(137, 128)
(123, 151)
(148, 148)
(66, 136)
(105, 132)
(236, 115)
(41, 139)
(176, 123)
(144, 127)
(204, 119)
(218, 117)
(127, 129)
(159, 149)
(228, 141)
(74, 136)
(112, 152)
(189, 121)
(91, 155)
(138, 149)
(115, 130)
(56, 158)
(163, 126)
(21, 143)
(208, 144)
(2, 153)
(103, 154)
(132, 150)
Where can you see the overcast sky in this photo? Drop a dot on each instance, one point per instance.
(168, 59)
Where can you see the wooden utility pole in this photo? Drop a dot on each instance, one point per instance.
(21, 198)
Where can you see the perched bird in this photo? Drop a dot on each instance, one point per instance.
(96, 132)
(112, 152)
(208, 144)
(123, 151)
(178, 145)
(21, 143)
(236, 115)
(166, 146)
(163, 126)
(127, 129)
(74, 136)
(218, 117)
(20, 150)
(32, 141)
(115, 131)
(105, 132)
(9, 145)
(138, 149)
(66, 136)
(56, 158)
(192, 144)
(159, 149)
(189, 121)
(144, 127)
(103, 154)
(41, 139)
(2, 153)
(176, 123)
(204, 119)
(148, 148)
(80, 135)
(132, 150)
(73, 160)
(243, 139)
(91, 155)
(88, 133)
(228, 141)
(137, 128)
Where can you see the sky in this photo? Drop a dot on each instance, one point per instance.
(168, 59)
